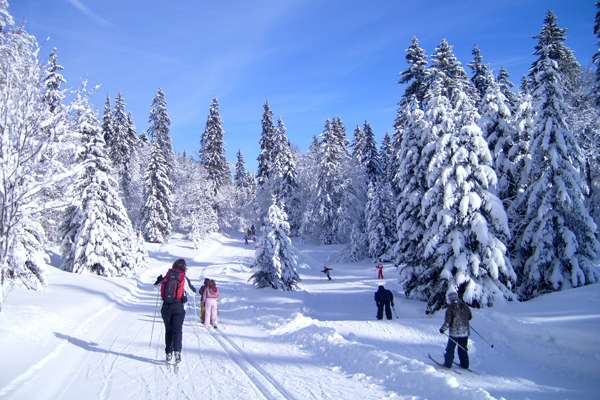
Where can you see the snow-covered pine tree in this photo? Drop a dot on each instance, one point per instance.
(417, 79)
(107, 123)
(465, 222)
(52, 81)
(497, 129)
(552, 38)
(267, 138)
(412, 181)
(506, 87)
(276, 258)
(239, 177)
(370, 157)
(5, 18)
(159, 130)
(379, 218)
(118, 145)
(558, 247)
(454, 78)
(212, 153)
(27, 129)
(157, 211)
(481, 72)
(354, 200)
(358, 144)
(284, 179)
(386, 156)
(597, 54)
(415, 76)
(326, 202)
(98, 236)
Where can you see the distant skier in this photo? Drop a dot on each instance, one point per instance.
(253, 233)
(379, 269)
(384, 298)
(326, 271)
(457, 319)
(172, 292)
(211, 296)
(202, 301)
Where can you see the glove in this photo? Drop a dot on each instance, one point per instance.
(184, 299)
(158, 280)
(441, 331)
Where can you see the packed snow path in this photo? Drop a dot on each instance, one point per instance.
(86, 337)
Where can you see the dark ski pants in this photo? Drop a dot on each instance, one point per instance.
(173, 315)
(388, 311)
(463, 356)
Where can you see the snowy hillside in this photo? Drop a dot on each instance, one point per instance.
(88, 337)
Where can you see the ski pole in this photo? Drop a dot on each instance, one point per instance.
(395, 312)
(482, 338)
(458, 344)
(154, 319)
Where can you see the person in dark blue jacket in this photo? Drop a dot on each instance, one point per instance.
(384, 299)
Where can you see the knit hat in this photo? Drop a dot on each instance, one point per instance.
(452, 297)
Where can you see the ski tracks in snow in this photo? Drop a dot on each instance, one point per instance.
(262, 380)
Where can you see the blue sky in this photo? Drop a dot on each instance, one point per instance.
(310, 59)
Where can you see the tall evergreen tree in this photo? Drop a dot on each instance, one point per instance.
(98, 233)
(358, 144)
(495, 124)
(118, 146)
(370, 157)
(267, 139)
(276, 258)
(386, 157)
(467, 225)
(159, 130)
(323, 215)
(412, 181)
(53, 80)
(557, 247)
(445, 65)
(107, 124)
(415, 76)
(157, 210)
(551, 41)
(417, 79)
(240, 176)
(597, 54)
(212, 154)
(506, 87)
(284, 179)
(379, 218)
(481, 72)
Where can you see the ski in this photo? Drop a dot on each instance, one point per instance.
(466, 369)
(441, 365)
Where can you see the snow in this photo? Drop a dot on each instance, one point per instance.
(86, 337)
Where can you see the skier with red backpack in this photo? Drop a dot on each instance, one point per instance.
(172, 292)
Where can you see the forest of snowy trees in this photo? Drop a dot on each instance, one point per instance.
(482, 187)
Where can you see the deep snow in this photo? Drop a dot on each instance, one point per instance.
(86, 337)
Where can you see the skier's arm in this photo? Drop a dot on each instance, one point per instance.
(159, 279)
(190, 285)
(447, 320)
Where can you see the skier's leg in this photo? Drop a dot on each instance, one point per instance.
(166, 316)
(463, 355)
(215, 314)
(178, 329)
(208, 313)
(388, 311)
(449, 354)
(202, 311)
(380, 312)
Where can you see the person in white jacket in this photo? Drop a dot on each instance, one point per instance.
(210, 297)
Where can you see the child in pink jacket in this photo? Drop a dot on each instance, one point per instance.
(210, 297)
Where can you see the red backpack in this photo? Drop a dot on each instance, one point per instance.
(172, 286)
